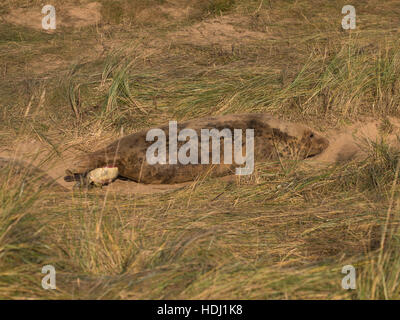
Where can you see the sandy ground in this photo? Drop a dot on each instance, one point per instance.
(351, 143)
(220, 31)
(66, 16)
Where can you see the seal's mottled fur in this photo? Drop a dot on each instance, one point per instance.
(273, 139)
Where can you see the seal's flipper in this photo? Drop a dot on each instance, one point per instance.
(71, 177)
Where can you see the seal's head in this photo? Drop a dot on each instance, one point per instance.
(312, 143)
(299, 141)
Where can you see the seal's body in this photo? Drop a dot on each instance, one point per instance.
(273, 139)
